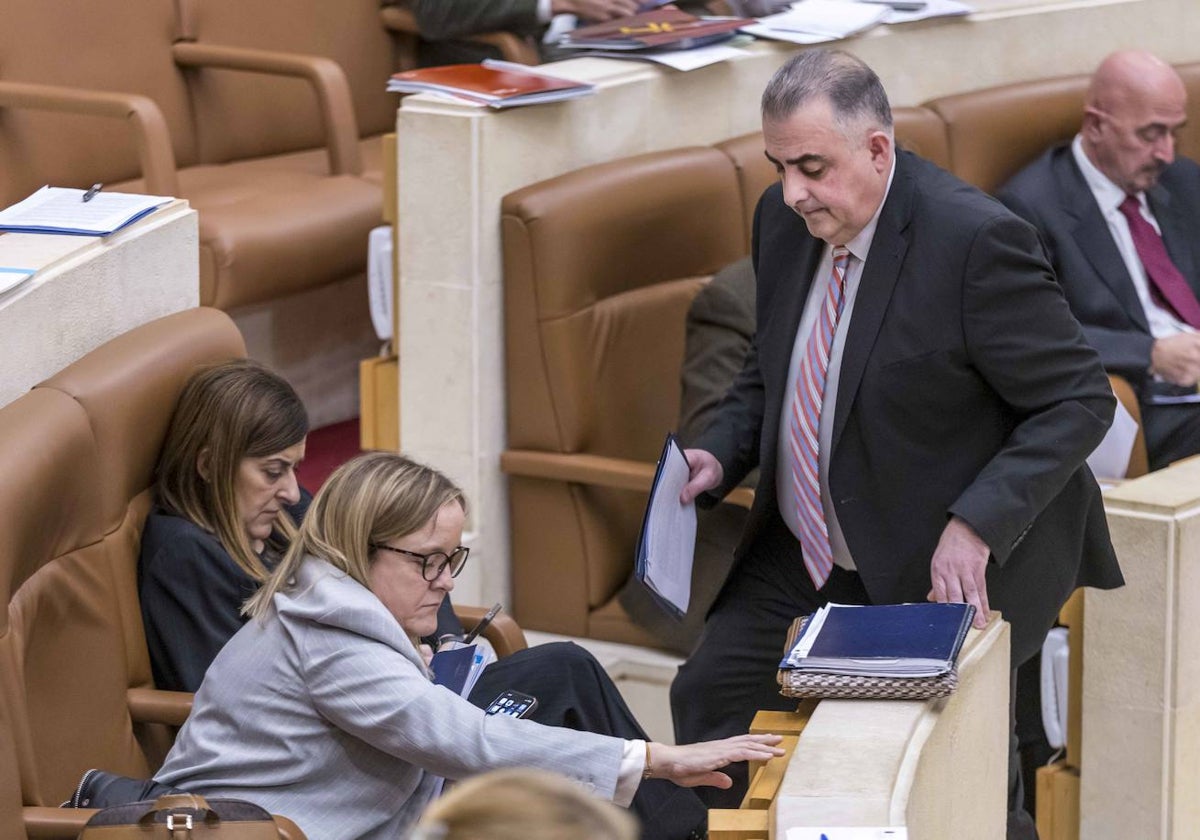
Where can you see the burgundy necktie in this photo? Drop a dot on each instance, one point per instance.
(1164, 276)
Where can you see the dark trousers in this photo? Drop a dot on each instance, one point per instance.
(572, 690)
(1172, 432)
(731, 674)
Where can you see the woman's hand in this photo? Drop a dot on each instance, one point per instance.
(692, 765)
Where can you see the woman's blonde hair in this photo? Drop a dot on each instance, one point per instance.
(227, 412)
(523, 804)
(372, 498)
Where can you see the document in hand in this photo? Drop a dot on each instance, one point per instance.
(458, 668)
(62, 210)
(897, 640)
(497, 84)
(668, 540)
(658, 29)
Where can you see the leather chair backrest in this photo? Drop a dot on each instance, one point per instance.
(1189, 138)
(994, 132)
(93, 46)
(242, 115)
(917, 129)
(79, 453)
(600, 266)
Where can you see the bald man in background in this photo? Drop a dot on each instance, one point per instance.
(1117, 211)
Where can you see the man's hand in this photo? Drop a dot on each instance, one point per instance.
(1176, 359)
(594, 10)
(705, 473)
(958, 567)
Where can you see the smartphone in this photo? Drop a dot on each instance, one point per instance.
(512, 703)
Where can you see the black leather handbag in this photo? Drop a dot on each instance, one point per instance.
(181, 816)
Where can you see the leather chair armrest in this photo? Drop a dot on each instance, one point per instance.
(45, 823)
(328, 81)
(149, 705)
(150, 132)
(504, 633)
(595, 470)
(512, 47)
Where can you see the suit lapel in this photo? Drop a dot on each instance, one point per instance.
(1091, 233)
(875, 287)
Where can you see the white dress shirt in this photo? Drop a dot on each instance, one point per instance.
(1162, 321)
(859, 247)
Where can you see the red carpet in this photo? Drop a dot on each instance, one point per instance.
(328, 448)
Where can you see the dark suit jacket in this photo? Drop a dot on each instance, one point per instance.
(1053, 196)
(966, 389)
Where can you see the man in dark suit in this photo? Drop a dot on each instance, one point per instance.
(947, 401)
(1105, 206)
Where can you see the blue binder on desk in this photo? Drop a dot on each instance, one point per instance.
(898, 640)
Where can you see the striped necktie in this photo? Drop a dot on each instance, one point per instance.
(804, 428)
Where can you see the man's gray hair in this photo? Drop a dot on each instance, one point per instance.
(853, 90)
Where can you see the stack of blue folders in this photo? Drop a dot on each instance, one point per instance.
(891, 651)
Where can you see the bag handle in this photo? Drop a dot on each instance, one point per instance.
(188, 805)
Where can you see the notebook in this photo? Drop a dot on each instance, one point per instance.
(897, 640)
(497, 84)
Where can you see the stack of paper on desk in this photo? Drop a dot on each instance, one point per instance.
(61, 210)
(816, 21)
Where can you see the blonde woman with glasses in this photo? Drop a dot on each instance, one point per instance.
(321, 707)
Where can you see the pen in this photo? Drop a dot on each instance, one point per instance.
(483, 623)
(90, 194)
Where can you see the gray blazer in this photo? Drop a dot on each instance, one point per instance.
(324, 713)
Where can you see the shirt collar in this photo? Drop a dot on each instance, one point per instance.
(1108, 195)
(860, 245)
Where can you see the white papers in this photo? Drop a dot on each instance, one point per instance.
(668, 540)
(855, 833)
(813, 21)
(933, 8)
(1111, 458)
(61, 210)
(11, 277)
(676, 59)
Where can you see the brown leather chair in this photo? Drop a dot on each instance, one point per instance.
(994, 132)
(917, 129)
(240, 115)
(88, 96)
(600, 267)
(1189, 138)
(78, 454)
(1139, 459)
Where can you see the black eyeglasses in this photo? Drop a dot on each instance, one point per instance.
(435, 561)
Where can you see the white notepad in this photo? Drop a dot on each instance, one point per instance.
(63, 210)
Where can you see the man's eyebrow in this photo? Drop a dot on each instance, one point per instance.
(798, 161)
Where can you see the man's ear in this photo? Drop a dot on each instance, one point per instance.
(1091, 122)
(202, 464)
(879, 144)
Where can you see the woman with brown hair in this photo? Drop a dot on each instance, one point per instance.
(226, 502)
